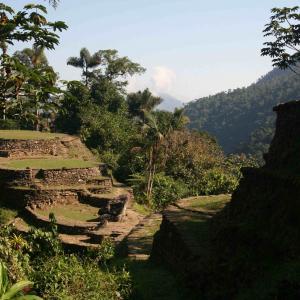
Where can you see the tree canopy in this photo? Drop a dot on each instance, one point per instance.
(284, 32)
(242, 119)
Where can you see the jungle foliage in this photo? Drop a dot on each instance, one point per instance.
(38, 264)
(242, 119)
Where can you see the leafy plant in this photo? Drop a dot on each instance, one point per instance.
(70, 277)
(283, 29)
(104, 252)
(16, 291)
(165, 190)
(45, 242)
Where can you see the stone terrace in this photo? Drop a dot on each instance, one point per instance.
(42, 173)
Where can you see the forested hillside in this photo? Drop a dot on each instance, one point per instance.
(242, 119)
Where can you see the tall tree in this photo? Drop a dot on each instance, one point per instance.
(142, 102)
(284, 29)
(32, 57)
(153, 140)
(29, 24)
(54, 3)
(86, 62)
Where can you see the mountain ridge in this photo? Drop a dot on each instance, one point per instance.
(242, 119)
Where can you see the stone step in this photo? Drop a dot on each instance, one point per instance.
(140, 239)
(100, 180)
(116, 231)
(67, 226)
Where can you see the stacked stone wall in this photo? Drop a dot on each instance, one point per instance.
(68, 176)
(53, 176)
(22, 176)
(26, 148)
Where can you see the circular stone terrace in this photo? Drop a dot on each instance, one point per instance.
(53, 172)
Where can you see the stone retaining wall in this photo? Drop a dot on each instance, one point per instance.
(8, 176)
(35, 198)
(25, 148)
(45, 198)
(68, 176)
(64, 226)
(53, 176)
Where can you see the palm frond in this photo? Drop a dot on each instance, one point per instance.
(75, 62)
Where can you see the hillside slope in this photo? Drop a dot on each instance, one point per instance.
(242, 119)
(169, 103)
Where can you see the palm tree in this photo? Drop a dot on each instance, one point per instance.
(141, 103)
(85, 61)
(54, 3)
(179, 120)
(153, 139)
(32, 57)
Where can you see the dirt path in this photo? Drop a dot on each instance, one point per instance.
(140, 239)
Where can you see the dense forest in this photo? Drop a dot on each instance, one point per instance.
(242, 119)
(162, 155)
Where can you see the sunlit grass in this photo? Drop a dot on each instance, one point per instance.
(7, 215)
(214, 202)
(28, 135)
(74, 212)
(48, 164)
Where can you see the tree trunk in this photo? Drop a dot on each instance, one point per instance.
(149, 173)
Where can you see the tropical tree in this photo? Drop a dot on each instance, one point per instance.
(284, 28)
(26, 25)
(153, 140)
(86, 62)
(32, 57)
(142, 102)
(36, 86)
(39, 92)
(54, 3)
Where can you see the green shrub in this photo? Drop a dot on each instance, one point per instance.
(104, 252)
(165, 190)
(217, 181)
(16, 291)
(9, 124)
(45, 242)
(69, 277)
(7, 215)
(14, 252)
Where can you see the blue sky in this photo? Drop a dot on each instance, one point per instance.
(190, 48)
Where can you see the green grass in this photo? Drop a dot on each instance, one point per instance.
(28, 135)
(7, 215)
(141, 209)
(56, 187)
(48, 164)
(77, 212)
(210, 203)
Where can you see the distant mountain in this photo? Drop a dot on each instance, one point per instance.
(242, 119)
(169, 103)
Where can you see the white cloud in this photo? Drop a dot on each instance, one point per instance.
(162, 79)
(159, 79)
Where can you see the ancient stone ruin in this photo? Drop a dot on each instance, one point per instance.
(251, 248)
(59, 175)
